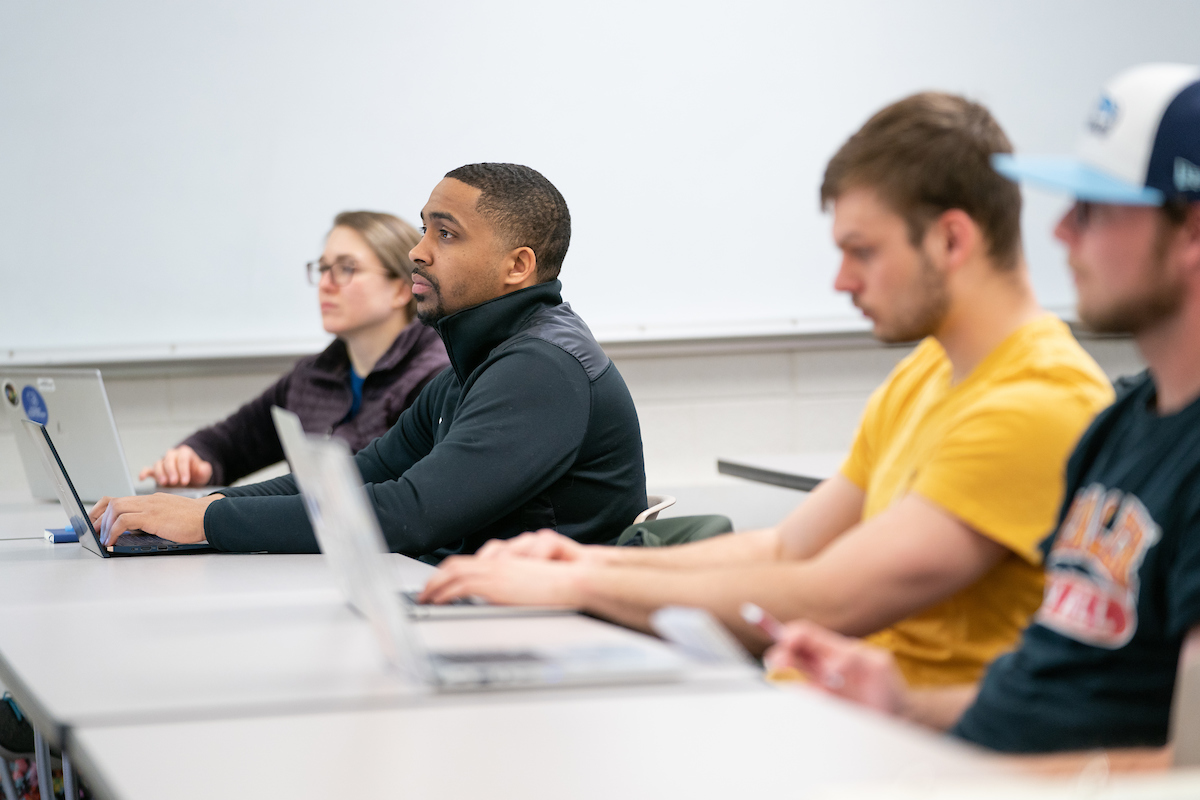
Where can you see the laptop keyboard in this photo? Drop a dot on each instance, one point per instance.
(142, 540)
(460, 601)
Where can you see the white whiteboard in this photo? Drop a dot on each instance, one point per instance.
(166, 168)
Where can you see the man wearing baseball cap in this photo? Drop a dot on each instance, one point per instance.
(1097, 666)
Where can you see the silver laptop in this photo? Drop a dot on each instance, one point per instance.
(338, 504)
(295, 447)
(73, 405)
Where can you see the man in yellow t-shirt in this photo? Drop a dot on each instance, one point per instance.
(927, 536)
(989, 450)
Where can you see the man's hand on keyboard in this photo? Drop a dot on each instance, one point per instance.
(180, 519)
(507, 581)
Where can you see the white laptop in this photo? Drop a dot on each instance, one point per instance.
(338, 505)
(295, 447)
(74, 407)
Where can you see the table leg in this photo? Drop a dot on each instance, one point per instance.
(41, 751)
(6, 781)
(69, 790)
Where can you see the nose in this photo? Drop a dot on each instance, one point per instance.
(325, 282)
(847, 280)
(420, 253)
(1067, 229)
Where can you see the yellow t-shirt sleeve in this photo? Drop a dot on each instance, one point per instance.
(1001, 468)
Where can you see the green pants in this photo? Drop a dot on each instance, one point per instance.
(676, 530)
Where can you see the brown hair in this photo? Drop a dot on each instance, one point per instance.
(927, 154)
(389, 237)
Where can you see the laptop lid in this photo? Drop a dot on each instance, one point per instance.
(295, 448)
(298, 449)
(73, 405)
(39, 441)
(341, 508)
(356, 551)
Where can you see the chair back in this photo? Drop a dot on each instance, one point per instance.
(657, 502)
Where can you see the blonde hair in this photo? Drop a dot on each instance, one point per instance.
(389, 237)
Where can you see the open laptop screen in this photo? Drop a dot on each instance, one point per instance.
(67, 496)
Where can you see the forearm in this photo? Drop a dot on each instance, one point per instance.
(830, 510)
(629, 595)
(937, 708)
(232, 458)
(259, 524)
(725, 550)
(387, 457)
(244, 441)
(283, 485)
(1127, 759)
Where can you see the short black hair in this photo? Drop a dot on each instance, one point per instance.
(525, 208)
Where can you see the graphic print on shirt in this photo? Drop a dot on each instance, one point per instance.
(1092, 570)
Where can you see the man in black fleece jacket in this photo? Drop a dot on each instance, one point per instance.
(531, 427)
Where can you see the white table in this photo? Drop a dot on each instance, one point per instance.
(87, 641)
(1093, 784)
(801, 471)
(22, 517)
(34, 572)
(260, 658)
(232, 656)
(64, 610)
(760, 743)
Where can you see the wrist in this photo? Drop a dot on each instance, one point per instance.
(600, 555)
(580, 585)
(205, 502)
(905, 706)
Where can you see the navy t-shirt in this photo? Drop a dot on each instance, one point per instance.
(1097, 666)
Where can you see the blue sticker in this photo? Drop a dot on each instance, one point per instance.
(35, 406)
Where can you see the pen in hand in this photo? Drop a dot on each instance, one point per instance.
(758, 617)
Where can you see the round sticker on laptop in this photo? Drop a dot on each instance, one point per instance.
(10, 394)
(35, 406)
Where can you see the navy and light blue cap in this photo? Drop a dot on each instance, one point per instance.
(1141, 145)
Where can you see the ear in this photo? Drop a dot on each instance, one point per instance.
(1189, 239)
(953, 239)
(403, 295)
(520, 268)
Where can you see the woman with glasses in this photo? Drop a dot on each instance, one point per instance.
(358, 386)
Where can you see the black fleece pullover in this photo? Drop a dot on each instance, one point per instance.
(531, 427)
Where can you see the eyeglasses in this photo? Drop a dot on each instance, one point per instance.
(1083, 214)
(1086, 214)
(342, 272)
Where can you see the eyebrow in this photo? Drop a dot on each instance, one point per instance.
(441, 215)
